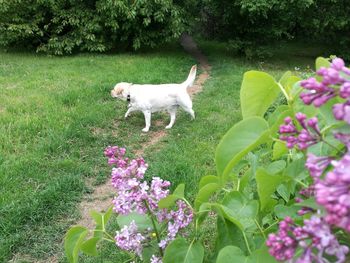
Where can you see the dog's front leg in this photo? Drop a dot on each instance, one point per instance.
(147, 114)
(131, 109)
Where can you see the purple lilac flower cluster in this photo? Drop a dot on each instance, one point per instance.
(331, 178)
(176, 220)
(333, 192)
(335, 82)
(314, 238)
(307, 136)
(135, 195)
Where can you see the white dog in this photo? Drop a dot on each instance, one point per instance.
(150, 98)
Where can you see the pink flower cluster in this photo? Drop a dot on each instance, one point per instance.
(307, 136)
(133, 194)
(314, 238)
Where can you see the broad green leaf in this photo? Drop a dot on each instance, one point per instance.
(261, 255)
(279, 149)
(267, 184)
(242, 138)
(276, 167)
(230, 254)
(288, 81)
(89, 246)
(282, 190)
(168, 201)
(296, 169)
(284, 79)
(204, 194)
(180, 251)
(207, 180)
(274, 116)
(282, 211)
(228, 234)
(258, 91)
(311, 202)
(101, 220)
(72, 242)
(239, 210)
(202, 212)
(322, 62)
(142, 221)
(180, 191)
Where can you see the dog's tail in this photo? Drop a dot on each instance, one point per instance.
(191, 77)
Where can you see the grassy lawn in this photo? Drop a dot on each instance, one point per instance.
(56, 117)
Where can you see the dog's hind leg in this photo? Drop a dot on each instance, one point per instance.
(186, 103)
(147, 114)
(172, 113)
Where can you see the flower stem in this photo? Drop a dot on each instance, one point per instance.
(246, 243)
(154, 226)
(261, 230)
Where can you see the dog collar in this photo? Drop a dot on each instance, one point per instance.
(128, 98)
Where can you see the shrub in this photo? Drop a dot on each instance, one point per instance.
(66, 26)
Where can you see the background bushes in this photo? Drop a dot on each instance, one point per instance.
(64, 26)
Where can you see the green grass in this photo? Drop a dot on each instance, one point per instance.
(56, 117)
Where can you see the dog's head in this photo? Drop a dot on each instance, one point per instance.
(121, 90)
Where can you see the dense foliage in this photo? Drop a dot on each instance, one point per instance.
(95, 25)
(98, 25)
(281, 191)
(248, 25)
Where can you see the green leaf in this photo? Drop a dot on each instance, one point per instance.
(142, 221)
(72, 242)
(267, 184)
(168, 201)
(180, 191)
(311, 202)
(242, 138)
(228, 234)
(239, 210)
(288, 81)
(89, 246)
(279, 149)
(275, 115)
(276, 167)
(101, 220)
(180, 251)
(231, 254)
(207, 180)
(322, 62)
(282, 211)
(282, 190)
(258, 92)
(204, 194)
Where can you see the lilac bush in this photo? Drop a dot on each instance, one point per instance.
(330, 174)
